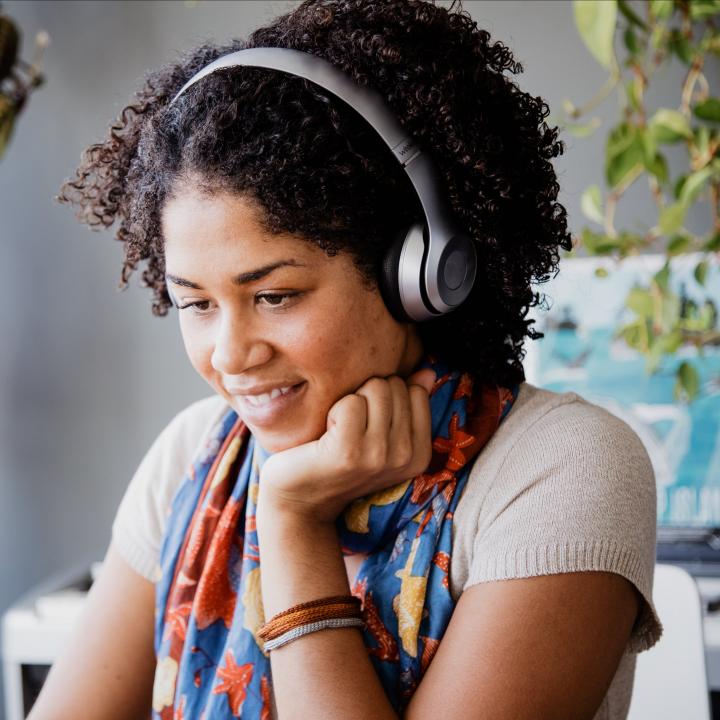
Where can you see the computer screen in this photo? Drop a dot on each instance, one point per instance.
(581, 352)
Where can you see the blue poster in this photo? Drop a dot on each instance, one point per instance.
(580, 353)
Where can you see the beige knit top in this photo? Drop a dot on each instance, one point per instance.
(562, 486)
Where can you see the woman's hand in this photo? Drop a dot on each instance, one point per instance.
(376, 437)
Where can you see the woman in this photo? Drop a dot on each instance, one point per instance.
(397, 482)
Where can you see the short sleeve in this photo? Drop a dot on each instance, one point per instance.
(576, 492)
(140, 520)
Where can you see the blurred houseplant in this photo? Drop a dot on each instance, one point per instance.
(17, 78)
(653, 32)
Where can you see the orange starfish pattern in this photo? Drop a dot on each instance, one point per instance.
(236, 679)
(177, 621)
(430, 646)
(265, 694)
(453, 445)
(442, 560)
(387, 647)
(215, 597)
(424, 485)
(464, 387)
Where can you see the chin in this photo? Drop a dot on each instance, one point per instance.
(275, 442)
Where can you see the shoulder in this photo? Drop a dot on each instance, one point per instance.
(141, 517)
(563, 436)
(562, 486)
(192, 423)
(170, 455)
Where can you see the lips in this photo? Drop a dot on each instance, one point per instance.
(264, 398)
(266, 408)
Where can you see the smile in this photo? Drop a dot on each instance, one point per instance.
(265, 398)
(267, 409)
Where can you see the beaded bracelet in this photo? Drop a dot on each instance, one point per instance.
(301, 630)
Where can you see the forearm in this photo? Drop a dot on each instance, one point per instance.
(328, 673)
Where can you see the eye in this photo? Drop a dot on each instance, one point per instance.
(199, 307)
(278, 300)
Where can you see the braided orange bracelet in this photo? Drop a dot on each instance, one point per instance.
(337, 606)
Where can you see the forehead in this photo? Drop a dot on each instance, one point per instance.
(196, 224)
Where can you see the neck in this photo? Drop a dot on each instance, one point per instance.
(412, 353)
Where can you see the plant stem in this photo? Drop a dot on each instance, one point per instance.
(604, 91)
(714, 203)
(689, 84)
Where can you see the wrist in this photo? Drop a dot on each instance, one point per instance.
(276, 511)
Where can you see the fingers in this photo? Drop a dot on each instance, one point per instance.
(400, 440)
(421, 428)
(397, 436)
(425, 378)
(380, 406)
(347, 420)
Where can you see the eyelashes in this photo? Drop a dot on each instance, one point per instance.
(279, 301)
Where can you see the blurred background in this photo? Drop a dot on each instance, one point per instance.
(88, 376)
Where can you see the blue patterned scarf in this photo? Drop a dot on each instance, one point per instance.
(210, 662)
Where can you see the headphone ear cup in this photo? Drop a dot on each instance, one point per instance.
(390, 276)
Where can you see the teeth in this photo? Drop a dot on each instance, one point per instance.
(265, 398)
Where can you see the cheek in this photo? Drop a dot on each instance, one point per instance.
(349, 341)
(198, 347)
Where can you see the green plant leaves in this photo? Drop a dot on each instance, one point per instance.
(630, 14)
(640, 301)
(680, 46)
(654, 33)
(661, 9)
(679, 244)
(668, 126)
(624, 154)
(595, 21)
(700, 272)
(708, 109)
(704, 8)
(693, 185)
(687, 381)
(591, 204)
(672, 217)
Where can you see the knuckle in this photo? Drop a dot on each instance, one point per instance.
(396, 383)
(403, 455)
(348, 458)
(378, 455)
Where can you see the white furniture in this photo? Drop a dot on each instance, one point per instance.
(674, 674)
(36, 628)
(671, 679)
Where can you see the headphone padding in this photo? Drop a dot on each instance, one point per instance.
(389, 276)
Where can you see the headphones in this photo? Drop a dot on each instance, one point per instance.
(430, 266)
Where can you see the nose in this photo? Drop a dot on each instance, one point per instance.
(238, 346)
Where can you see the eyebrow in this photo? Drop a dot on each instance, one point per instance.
(242, 278)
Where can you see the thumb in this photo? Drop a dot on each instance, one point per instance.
(425, 378)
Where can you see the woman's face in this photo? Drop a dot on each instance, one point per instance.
(274, 325)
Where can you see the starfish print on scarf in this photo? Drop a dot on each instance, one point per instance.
(430, 646)
(265, 694)
(387, 647)
(453, 445)
(177, 620)
(236, 679)
(464, 388)
(215, 598)
(425, 484)
(442, 560)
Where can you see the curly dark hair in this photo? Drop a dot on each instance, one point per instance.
(319, 171)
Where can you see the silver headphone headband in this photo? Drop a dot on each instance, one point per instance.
(369, 104)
